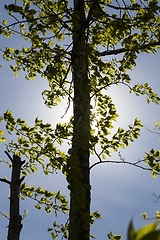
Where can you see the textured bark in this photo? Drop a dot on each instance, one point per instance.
(79, 227)
(15, 225)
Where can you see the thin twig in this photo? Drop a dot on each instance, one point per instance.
(4, 215)
(152, 131)
(9, 156)
(158, 197)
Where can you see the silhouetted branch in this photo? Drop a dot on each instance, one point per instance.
(122, 50)
(126, 8)
(9, 156)
(4, 215)
(122, 160)
(158, 197)
(126, 162)
(5, 180)
(152, 131)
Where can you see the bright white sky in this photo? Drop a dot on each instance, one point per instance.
(119, 192)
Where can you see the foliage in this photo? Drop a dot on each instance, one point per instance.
(147, 232)
(46, 198)
(114, 237)
(153, 157)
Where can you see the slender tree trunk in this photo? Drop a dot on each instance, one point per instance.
(15, 225)
(79, 227)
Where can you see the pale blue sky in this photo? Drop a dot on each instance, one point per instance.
(119, 192)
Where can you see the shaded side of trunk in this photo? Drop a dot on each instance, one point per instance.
(79, 179)
(15, 225)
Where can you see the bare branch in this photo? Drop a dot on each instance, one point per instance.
(125, 8)
(5, 180)
(122, 160)
(152, 131)
(158, 197)
(103, 87)
(98, 155)
(8, 156)
(117, 161)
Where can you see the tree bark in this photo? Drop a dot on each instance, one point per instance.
(15, 225)
(79, 226)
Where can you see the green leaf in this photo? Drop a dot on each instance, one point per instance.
(49, 229)
(5, 21)
(38, 206)
(145, 230)
(54, 236)
(155, 235)
(23, 186)
(142, 232)
(16, 74)
(2, 139)
(117, 237)
(131, 231)
(24, 173)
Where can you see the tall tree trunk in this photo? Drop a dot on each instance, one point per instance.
(15, 225)
(79, 227)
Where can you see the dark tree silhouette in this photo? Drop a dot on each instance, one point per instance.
(15, 225)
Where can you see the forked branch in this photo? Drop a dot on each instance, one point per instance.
(120, 161)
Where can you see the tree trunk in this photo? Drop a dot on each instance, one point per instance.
(15, 225)
(79, 179)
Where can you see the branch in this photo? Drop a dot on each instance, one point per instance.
(112, 83)
(158, 197)
(91, 12)
(98, 155)
(39, 145)
(69, 100)
(22, 178)
(63, 80)
(8, 156)
(122, 50)
(117, 161)
(107, 85)
(152, 131)
(125, 8)
(4, 215)
(5, 180)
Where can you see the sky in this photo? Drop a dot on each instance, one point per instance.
(119, 192)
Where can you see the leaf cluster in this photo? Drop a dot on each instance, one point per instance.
(37, 142)
(104, 117)
(145, 89)
(51, 201)
(59, 229)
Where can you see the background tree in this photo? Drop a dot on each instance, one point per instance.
(15, 225)
(91, 30)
